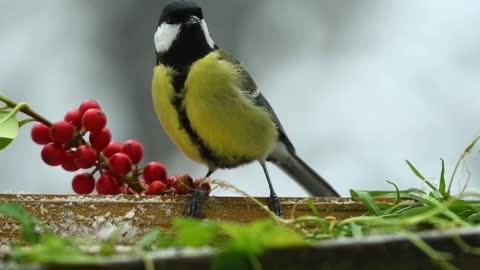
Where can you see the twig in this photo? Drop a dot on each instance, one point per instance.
(257, 202)
(462, 157)
(24, 108)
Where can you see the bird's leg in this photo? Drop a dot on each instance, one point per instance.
(274, 202)
(194, 209)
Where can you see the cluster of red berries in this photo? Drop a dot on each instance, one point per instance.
(115, 163)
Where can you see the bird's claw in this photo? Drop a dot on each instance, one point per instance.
(274, 205)
(194, 209)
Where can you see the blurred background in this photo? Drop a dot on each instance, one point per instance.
(359, 86)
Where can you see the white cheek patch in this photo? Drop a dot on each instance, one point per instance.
(165, 36)
(210, 42)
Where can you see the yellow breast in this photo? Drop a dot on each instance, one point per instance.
(225, 120)
(229, 123)
(162, 93)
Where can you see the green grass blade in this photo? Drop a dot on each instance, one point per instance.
(399, 208)
(397, 198)
(312, 206)
(442, 185)
(367, 201)
(313, 220)
(460, 159)
(391, 194)
(414, 170)
(419, 175)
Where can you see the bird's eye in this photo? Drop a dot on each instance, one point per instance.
(174, 18)
(170, 20)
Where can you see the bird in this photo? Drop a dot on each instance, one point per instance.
(212, 109)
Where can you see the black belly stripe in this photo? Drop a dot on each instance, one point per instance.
(178, 102)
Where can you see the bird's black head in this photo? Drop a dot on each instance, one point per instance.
(181, 12)
(182, 35)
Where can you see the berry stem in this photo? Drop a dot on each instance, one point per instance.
(24, 108)
(136, 172)
(105, 161)
(134, 185)
(95, 170)
(25, 121)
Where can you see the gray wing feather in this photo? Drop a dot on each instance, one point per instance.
(262, 101)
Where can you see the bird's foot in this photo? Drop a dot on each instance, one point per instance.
(274, 205)
(194, 209)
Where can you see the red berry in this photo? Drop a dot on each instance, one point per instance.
(205, 186)
(107, 185)
(68, 163)
(112, 149)
(41, 134)
(53, 154)
(156, 188)
(101, 139)
(87, 105)
(134, 150)
(85, 157)
(120, 164)
(117, 178)
(170, 181)
(94, 120)
(83, 183)
(183, 184)
(154, 171)
(74, 117)
(61, 132)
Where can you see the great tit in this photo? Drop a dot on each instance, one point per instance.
(211, 108)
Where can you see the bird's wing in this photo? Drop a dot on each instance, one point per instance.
(250, 89)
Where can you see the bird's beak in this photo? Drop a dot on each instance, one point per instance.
(192, 20)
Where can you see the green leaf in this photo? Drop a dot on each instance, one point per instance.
(8, 128)
(257, 236)
(27, 222)
(419, 175)
(194, 233)
(247, 241)
(53, 250)
(367, 201)
(148, 240)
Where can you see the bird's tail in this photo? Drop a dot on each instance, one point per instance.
(303, 174)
